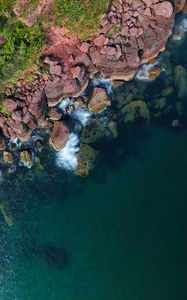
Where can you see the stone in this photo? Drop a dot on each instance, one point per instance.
(99, 40)
(59, 135)
(8, 157)
(99, 100)
(55, 70)
(54, 114)
(26, 159)
(76, 71)
(164, 9)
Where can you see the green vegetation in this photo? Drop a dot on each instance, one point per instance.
(82, 17)
(5, 7)
(21, 49)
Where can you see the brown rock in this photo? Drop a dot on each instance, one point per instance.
(99, 100)
(8, 157)
(59, 135)
(99, 40)
(54, 115)
(26, 159)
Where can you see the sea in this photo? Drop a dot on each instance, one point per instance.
(118, 234)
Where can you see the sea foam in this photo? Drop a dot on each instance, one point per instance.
(102, 82)
(67, 157)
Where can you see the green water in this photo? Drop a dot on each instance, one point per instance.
(125, 227)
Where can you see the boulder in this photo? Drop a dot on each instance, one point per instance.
(54, 114)
(26, 159)
(59, 135)
(99, 100)
(8, 157)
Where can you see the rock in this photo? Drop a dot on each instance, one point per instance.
(54, 115)
(52, 61)
(26, 159)
(2, 142)
(113, 127)
(175, 124)
(99, 100)
(10, 105)
(84, 47)
(92, 133)
(8, 157)
(164, 9)
(17, 116)
(99, 40)
(86, 159)
(55, 70)
(76, 71)
(179, 5)
(135, 110)
(59, 135)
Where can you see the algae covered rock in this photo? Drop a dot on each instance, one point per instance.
(135, 110)
(99, 100)
(92, 132)
(181, 81)
(8, 157)
(86, 159)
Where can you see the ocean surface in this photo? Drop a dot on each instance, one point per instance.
(120, 234)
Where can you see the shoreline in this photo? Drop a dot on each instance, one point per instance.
(130, 35)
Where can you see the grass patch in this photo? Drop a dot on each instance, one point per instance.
(82, 16)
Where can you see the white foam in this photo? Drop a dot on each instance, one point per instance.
(65, 103)
(102, 82)
(143, 72)
(180, 30)
(67, 157)
(82, 116)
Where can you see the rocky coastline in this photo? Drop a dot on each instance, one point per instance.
(132, 33)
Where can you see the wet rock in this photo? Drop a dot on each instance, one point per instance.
(26, 159)
(8, 157)
(135, 110)
(59, 135)
(86, 159)
(99, 100)
(54, 115)
(92, 133)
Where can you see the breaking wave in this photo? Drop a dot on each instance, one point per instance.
(67, 157)
(104, 83)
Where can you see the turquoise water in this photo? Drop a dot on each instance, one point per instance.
(124, 228)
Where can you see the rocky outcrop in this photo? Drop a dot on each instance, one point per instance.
(99, 100)
(86, 159)
(27, 114)
(59, 136)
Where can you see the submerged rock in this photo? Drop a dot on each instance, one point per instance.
(8, 218)
(86, 159)
(181, 81)
(54, 256)
(92, 132)
(134, 110)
